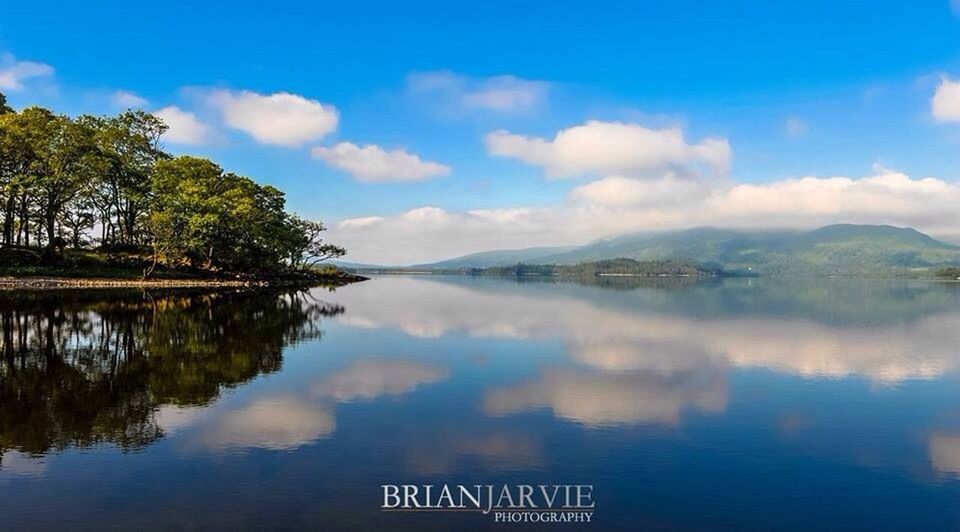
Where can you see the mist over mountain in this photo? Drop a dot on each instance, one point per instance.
(842, 249)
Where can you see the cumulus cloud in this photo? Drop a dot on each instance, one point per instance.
(184, 126)
(373, 164)
(617, 205)
(623, 191)
(498, 93)
(127, 99)
(426, 214)
(280, 119)
(14, 73)
(604, 148)
(364, 221)
(945, 104)
(887, 196)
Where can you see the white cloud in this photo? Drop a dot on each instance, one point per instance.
(364, 221)
(127, 99)
(373, 164)
(622, 191)
(426, 214)
(505, 93)
(945, 104)
(280, 119)
(617, 205)
(795, 127)
(14, 73)
(184, 126)
(603, 148)
(501, 215)
(498, 93)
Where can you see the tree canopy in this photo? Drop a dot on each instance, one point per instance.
(106, 182)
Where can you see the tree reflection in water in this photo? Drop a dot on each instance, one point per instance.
(80, 368)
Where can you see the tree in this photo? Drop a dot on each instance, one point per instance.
(60, 177)
(307, 247)
(67, 162)
(130, 145)
(4, 108)
(179, 218)
(78, 220)
(221, 221)
(14, 161)
(22, 148)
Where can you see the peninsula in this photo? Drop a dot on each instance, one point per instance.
(96, 201)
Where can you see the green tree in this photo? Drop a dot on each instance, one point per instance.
(130, 144)
(215, 220)
(306, 246)
(4, 108)
(67, 163)
(22, 140)
(60, 176)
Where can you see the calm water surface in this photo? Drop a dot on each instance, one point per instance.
(759, 404)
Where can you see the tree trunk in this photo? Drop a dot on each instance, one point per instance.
(8, 220)
(51, 254)
(149, 271)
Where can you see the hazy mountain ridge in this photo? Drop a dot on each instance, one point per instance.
(487, 259)
(842, 249)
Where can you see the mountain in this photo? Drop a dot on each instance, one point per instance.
(845, 249)
(357, 265)
(487, 259)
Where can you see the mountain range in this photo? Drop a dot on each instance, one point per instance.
(843, 249)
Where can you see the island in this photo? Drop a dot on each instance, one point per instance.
(619, 267)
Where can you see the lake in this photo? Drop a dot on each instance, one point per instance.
(718, 404)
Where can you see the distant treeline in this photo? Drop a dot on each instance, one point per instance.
(948, 273)
(611, 267)
(106, 182)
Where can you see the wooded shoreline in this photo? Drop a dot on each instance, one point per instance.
(337, 279)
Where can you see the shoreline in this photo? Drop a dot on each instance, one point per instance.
(50, 281)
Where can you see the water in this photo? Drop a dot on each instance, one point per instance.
(760, 404)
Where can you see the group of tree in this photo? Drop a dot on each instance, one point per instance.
(106, 182)
(952, 272)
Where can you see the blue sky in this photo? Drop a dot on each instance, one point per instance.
(812, 89)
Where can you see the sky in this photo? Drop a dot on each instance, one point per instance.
(418, 131)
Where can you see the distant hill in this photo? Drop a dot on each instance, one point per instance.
(356, 265)
(489, 259)
(847, 250)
